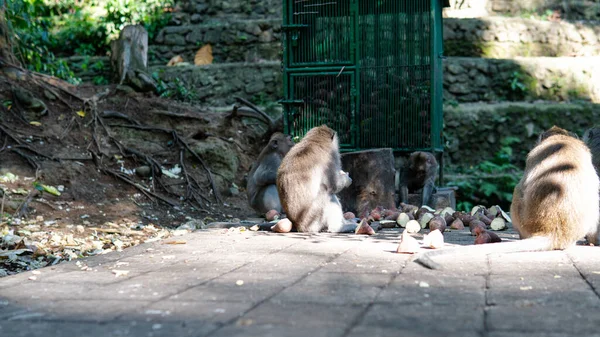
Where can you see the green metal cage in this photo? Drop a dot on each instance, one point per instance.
(369, 69)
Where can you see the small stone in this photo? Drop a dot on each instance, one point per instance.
(143, 171)
(80, 229)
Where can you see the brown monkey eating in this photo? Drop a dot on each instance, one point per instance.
(419, 173)
(308, 179)
(554, 204)
(261, 187)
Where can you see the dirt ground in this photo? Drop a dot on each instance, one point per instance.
(81, 148)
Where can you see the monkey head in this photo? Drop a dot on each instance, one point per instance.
(422, 163)
(321, 133)
(553, 131)
(280, 143)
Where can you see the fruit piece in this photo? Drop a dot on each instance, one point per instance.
(486, 236)
(408, 244)
(364, 228)
(282, 226)
(498, 224)
(349, 216)
(434, 239)
(272, 215)
(412, 226)
(424, 220)
(457, 224)
(474, 224)
(437, 223)
(403, 219)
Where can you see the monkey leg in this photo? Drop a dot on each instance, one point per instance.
(268, 199)
(333, 218)
(404, 194)
(427, 193)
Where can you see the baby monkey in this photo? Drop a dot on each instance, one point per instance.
(554, 204)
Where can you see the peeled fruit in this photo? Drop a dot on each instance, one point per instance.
(498, 224)
(424, 220)
(408, 244)
(375, 215)
(282, 226)
(349, 216)
(364, 228)
(272, 215)
(434, 239)
(403, 219)
(412, 226)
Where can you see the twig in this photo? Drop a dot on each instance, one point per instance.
(177, 115)
(181, 141)
(139, 187)
(116, 114)
(270, 120)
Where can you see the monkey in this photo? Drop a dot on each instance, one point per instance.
(419, 173)
(554, 204)
(591, 138)
(261, 187)
(308, 180)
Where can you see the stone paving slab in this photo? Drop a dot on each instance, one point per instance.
(231, 283)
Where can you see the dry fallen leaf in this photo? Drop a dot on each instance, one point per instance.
(174, 60)
(176, 242)
(120, 272)
(204, 55)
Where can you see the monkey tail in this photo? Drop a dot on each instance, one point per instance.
(533, 244)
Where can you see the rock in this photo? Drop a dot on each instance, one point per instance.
(192, 225)
(234, 191)
(254, 87)
(220, 157)
(195, 18)
(175, 39)
(143, 171)
(195, 36)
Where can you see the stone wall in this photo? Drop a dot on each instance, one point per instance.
(566, 78)
(473, 132)
(241, 41)
(465, 79)
(504, 37)
(498, 37)
(217, 84)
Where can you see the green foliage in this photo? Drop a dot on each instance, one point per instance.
(149, 13)
(176, 89)
(45, 29)
(491, 182)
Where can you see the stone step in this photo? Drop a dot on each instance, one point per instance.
(507, 37)
(466, 79)
(568, 10)
(473, 131)
(218, 11)
(234, 41)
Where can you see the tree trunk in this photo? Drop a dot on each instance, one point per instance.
(129, 58)
(6, 51)
(373, 174)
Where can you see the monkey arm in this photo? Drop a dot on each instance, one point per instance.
(265, 175)
(341, 181)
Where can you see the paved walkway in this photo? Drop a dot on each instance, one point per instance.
(221, 283)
